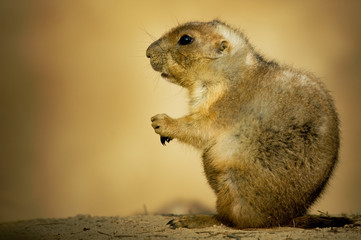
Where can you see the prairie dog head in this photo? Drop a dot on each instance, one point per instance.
(193, 51)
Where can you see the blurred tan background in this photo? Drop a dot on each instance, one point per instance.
(77, 94)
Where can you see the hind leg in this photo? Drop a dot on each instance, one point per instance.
(232, 179)
(235, 211)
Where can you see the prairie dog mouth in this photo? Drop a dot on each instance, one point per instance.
(165, 75)
(168, 77)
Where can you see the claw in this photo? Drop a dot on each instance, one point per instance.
(165, 139)
(171, 224)
(177, 223)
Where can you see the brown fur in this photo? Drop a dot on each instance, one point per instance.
(269, 133)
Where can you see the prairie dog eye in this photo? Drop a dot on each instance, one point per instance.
(185, 40)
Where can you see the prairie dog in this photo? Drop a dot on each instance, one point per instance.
(268, 133)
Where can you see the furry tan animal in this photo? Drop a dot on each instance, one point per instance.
(269, 133)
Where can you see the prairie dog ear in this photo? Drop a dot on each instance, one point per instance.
(223, 45)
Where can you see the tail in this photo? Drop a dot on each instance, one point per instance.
(314, 221)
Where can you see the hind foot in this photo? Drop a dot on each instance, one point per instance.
(194, 221)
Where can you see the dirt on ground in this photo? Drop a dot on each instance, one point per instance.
(155, 227)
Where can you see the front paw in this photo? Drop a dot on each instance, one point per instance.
(163, 125)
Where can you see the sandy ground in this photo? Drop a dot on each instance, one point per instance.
(154, 227)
